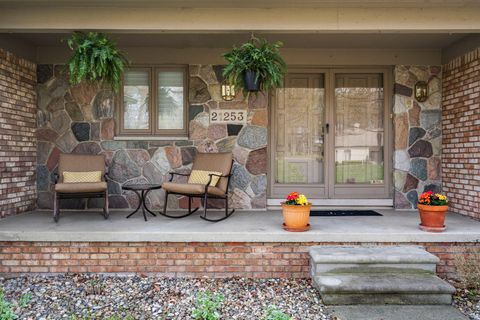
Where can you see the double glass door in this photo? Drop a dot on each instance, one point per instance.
(330, 134)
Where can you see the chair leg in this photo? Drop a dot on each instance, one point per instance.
(227, 214)
(105, 206)
(164, 213)
(56, 209)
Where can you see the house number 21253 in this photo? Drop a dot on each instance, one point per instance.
(228, 116)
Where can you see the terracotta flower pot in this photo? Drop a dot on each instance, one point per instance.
(432, 217)
(296, 217)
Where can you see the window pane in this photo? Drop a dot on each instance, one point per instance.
(299, 135)
(135, 99)
(170, 100)
(359, 131)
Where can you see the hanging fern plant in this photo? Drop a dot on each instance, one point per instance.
(255, 65)
(95, 59)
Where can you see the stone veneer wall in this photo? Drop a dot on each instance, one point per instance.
(80, 119)
(17, 134)
(461, 128)
(417, 135)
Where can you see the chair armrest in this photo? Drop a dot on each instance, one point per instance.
(106, 176)
(210, 176)
(220, 175)
(172, 173)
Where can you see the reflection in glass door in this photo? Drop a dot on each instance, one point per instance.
(329, 137)
(359, 129)
(299, 122)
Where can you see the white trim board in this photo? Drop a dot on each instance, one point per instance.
(341, 202)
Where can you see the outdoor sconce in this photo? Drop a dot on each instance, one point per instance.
(228, 91)
(421, 91)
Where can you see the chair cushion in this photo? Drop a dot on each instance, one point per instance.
(201, 177)
(221, 162)
(191, 188)
(81, 187)
(82, 176)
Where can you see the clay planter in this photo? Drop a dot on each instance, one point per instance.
(296, 217)
(432, 217)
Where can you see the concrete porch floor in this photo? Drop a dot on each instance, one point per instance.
(243, 226)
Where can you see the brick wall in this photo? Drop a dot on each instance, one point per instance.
(461, 133)
(185, 259)
(17, 134)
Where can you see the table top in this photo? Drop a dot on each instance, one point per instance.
(142, 186)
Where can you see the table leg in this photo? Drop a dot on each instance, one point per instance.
(139, 204)
(145, 204)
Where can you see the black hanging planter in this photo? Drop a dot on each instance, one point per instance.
(251, 83)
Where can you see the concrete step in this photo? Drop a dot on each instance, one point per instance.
(383, 288)
(396, 312)
(368, 259)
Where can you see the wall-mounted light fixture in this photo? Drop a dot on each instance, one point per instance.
(421, 91)
(228, 91)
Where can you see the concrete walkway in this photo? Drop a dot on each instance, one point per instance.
(391, 312)
(243, 226)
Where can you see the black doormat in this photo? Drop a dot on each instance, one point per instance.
(343, 213)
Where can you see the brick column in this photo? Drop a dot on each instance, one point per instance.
(461, 133)
(17, 134)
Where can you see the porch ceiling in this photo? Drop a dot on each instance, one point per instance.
(195, 39)
(243, 226)
(244, 3)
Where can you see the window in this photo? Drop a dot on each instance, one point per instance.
(153, 102)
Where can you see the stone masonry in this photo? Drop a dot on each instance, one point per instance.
(17, 134)
(81, 119)
(417, 135)
(461, 128)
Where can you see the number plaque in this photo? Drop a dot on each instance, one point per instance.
(228, 116)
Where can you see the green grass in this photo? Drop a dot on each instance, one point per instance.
(358, 172)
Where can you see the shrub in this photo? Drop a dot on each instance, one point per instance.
(6, 312)
(468, 269)
(206, 306)
(25, 300)
(274, 314)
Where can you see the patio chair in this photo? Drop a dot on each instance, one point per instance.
(80, 176)
(209, 179)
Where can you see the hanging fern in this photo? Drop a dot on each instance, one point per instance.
(259, 56)
(95, 58)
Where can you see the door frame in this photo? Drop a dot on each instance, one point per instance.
(328, 189)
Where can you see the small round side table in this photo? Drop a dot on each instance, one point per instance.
(142, 190)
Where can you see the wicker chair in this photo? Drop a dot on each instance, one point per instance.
(80, 163)
(212, 162)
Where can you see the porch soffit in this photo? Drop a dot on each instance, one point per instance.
(447, 16)
(242, 3)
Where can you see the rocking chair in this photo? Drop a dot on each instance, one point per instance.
(209, 179)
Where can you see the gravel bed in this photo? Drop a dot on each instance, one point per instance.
(468, 303)
(99, 297)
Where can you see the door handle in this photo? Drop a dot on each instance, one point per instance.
(327, 127)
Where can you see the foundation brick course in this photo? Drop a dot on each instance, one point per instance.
(17, 134)
(187, 259)
(461, 134)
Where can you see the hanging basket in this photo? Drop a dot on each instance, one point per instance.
(251, 82)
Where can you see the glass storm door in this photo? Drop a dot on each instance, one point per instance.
(359, 136)
(298, 159)
(329, 138)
